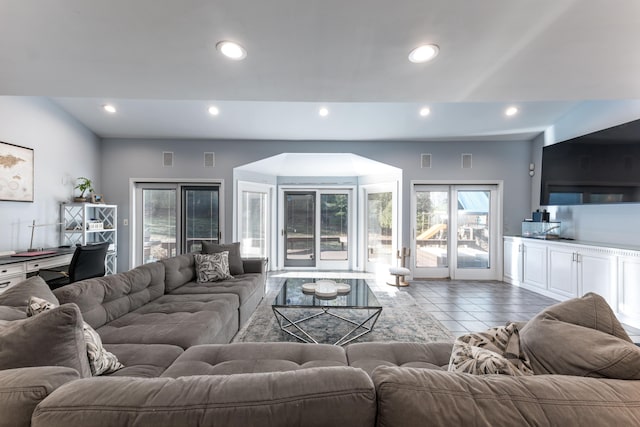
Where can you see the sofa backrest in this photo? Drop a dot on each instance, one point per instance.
(331, 396)
(104, 299)
(179, 270)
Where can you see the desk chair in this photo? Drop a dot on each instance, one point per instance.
(87, 262)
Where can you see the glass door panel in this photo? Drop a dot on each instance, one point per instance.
(334, 227)
(253, 230)
(379, 228)
(472, 249)
(300, 227)
(431, 228)
(158, 224)
(200, 216)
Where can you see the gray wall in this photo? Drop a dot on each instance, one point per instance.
(63, 150)
(500, 160)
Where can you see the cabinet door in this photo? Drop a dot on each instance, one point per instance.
(562, 271)
(535, 265)
(629, 288)
(512, 261)
(596, 273)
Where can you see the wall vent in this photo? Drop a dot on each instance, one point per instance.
(425, 160)
(209, 159)
(167, 159)
(466, 161)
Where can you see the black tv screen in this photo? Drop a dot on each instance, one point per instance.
(597, 168)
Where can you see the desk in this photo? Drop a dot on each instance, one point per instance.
(15, 269)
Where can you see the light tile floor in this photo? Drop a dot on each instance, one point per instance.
(462, 306)
(470, 306)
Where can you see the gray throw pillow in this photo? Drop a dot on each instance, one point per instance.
(212, 267)
(54, 338)
(235, 260)
(18, 296)
(557, 347)
(101, 361)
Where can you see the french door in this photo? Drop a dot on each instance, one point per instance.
(254, 225)
(316, 228)
(456, 231)
(174, 218)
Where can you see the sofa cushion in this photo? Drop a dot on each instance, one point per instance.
(179, 270)
(212, 267)
(103, 299)
(590, 311)
(556, 347)
(243, 286)
(53, 338)
(370, 355)
(496, 351)
(18, 296)
(332, 396)
(182, 320)
(425, 397)
(100, 360)
(22, 389)
(143, 360)
(235, 260)
(255, 357)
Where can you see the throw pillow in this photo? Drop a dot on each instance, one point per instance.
(212, 267)
(496, 351)
(53, 338)
(18, 295)
(590, 311)
(556, 347)
(235, 260)
(101, 361)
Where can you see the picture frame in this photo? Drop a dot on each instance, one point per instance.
(16, 173)
(97, 198)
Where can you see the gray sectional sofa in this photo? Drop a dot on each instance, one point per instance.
(180, 369)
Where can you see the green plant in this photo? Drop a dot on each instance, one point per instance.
(84, 184)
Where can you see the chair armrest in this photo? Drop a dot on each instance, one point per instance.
(255, 265)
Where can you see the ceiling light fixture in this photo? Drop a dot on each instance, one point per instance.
(324, 112)
(511, 111)
(231, 50)
(425, 111)
(423, 53)
(109, 108)
(213, 110)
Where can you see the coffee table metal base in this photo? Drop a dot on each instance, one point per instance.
(360, 328)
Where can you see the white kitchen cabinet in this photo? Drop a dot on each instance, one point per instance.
(534, 264)
(628, 306)
(512, 261)
(563, 272)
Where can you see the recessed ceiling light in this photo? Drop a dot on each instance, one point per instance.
(324, 112)
(213, 110)
(511, 111)
(425, 111)
(231, 50)
(109, 108)
(423, 53)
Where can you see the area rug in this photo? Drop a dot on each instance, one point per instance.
(402, 319)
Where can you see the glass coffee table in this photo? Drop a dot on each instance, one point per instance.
(294, 308)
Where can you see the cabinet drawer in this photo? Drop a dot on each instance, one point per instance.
(7, 282)
(58, 261)
(11, 269)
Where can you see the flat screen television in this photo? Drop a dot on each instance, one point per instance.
(597, 168)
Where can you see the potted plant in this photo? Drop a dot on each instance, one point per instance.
(84, 185)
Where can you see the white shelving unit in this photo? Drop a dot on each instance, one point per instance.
(88, 223)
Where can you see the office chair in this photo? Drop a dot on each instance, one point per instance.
(87, 262)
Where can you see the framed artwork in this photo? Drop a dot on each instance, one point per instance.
(16, 173)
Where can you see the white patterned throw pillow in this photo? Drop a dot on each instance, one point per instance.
(212, 267)
(101, 361)
(496, 351)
